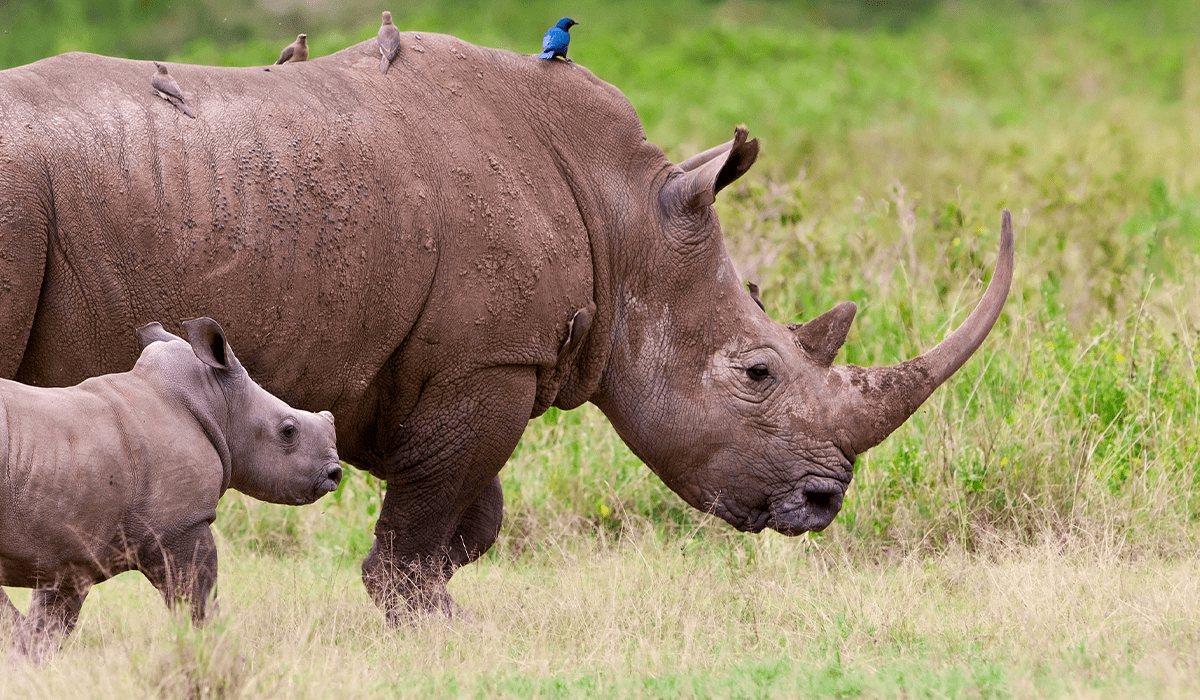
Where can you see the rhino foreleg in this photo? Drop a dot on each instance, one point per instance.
(443, 504)
(183, 567)
(419, 584)
(53, 613)
(478, 526)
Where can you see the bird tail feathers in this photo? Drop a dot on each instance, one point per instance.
(546, 54)
(384, 62)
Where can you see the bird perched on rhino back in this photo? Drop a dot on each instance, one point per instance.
(295, 52)
(556, 40)
(168, 89)
(389, 42)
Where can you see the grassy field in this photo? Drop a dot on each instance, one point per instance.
(768, 618)
(1031, 531)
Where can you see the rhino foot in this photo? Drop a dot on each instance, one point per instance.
(406, 590)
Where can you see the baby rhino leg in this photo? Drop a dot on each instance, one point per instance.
(10, 617)
(182, 565)
(53, 613)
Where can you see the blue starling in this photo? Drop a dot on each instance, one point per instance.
(557, 39)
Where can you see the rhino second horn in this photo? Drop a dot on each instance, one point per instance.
(823, 336)
(879, 399)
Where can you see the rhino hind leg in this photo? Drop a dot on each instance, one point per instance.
(183, 567)
(53, 613)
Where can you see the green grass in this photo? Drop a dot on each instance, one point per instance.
(1031, 531)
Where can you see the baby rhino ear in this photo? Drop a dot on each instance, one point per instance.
(208, 342)
(153, 332)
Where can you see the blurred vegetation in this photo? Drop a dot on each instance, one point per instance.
(893, 134)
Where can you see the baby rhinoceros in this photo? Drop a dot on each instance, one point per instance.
(123, 472)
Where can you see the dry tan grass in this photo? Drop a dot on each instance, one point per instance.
(772, 617)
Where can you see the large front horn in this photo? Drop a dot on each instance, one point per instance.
(879, 399)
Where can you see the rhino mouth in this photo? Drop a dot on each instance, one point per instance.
(810, 508)
(328, 481)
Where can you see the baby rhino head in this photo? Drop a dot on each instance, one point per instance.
(269, 450)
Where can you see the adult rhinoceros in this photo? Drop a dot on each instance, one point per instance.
(435, 255)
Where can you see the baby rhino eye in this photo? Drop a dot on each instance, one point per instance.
(288, 432)
(758, 372)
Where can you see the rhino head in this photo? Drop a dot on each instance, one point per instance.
(741, 416)
(269, 450)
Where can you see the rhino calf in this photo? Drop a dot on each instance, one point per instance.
(123, 472)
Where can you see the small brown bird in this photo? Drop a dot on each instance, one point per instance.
(168, 89)
(296, 51)
(753, 288)
(389, 42)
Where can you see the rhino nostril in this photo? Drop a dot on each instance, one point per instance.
(819, 499)
(334, 474)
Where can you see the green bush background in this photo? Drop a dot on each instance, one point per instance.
(891, 138)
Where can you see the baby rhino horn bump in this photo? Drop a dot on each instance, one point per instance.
(208, 342)
(823, 336)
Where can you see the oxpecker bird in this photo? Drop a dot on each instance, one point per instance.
(389, 42)
(168, 89)
(296, 51)
(557, 39)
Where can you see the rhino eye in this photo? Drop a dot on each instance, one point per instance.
(758, 372)
(288, 432)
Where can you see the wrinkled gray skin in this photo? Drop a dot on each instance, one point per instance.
(436, 255)
(123, 472)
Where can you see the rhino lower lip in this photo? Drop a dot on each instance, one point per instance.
(329, 481)
(812, 507)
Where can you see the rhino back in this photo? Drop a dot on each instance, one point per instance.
(320, 210)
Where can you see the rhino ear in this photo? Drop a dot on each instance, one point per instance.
(208, 342)
(823, 336)
(577, 329)
(708, 173)
(153, 332)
